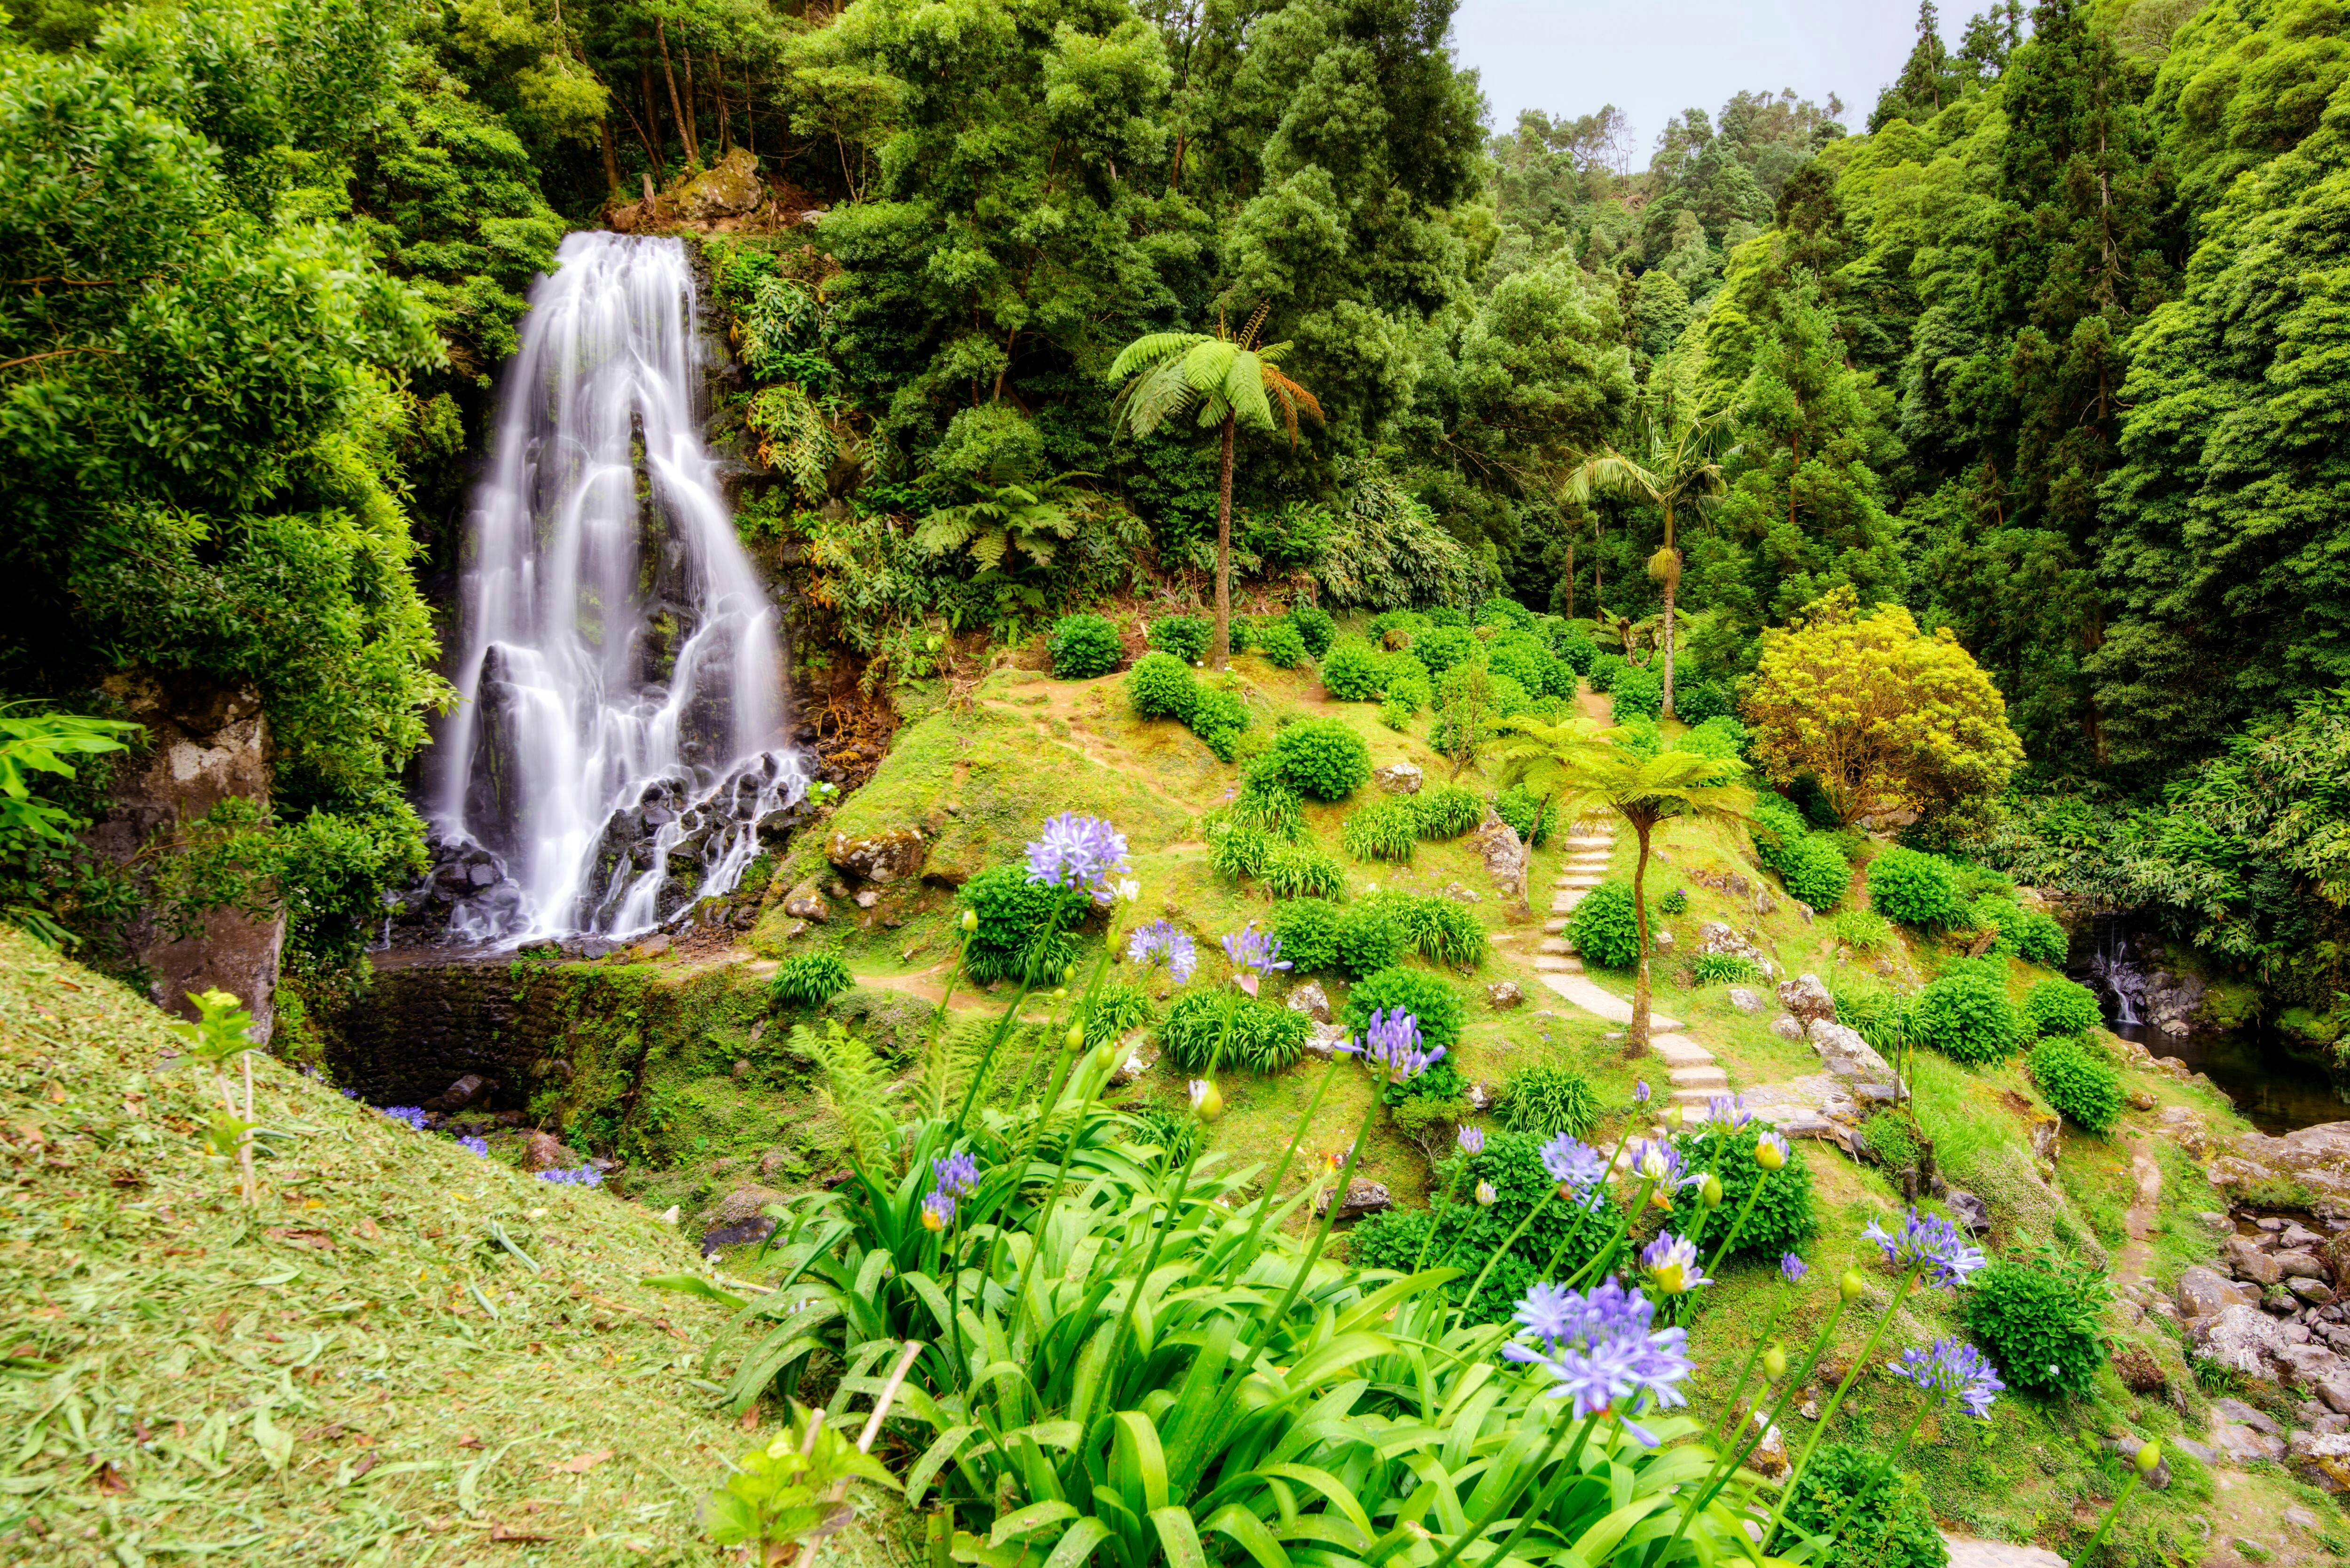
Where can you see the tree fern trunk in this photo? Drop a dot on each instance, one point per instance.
(1672, 582)
(1636, 1043)
(1221, 652)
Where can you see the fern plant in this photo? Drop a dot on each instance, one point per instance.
(810, 980)
(1016, 518)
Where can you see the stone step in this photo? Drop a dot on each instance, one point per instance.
(1566, 902)
(1556, 945)
(1697, 1098)
(1677, 1050)
(1593, 998)
(1555, 926)
(1587, 841)
(1584, 880)
(1550, 964)
(1709, 1076)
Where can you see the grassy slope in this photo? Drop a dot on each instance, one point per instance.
(357, 1371)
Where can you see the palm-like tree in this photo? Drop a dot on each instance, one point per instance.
(1586, 769)
(1680, 464)
(1231, 381)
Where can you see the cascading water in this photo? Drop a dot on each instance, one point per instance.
(618, 738)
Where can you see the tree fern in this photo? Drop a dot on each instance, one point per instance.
(851, 1089)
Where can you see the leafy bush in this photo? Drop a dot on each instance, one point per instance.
(2037, 1319)
(1724, 969)
(1724, 739)
(1410, 691)
(1118, 1008)
(2062, 1007)
(1817, 872)
(2030, 934)
(1236, 849)
(1370, 938)
(1447, 811)
(1636, 694)
(1523, 659)
(1266, 802)
(1308, 931)
(1881, 1517)
(1507, 613)
(1279, 644)
(1161, 686)
(1577, 653)
(1353, 672)
(1778, 828)
(1314, 627)
(1398, 627)
(1438, 929)
(1084, 646)
(1425, 997)
(1914, 889)
(1301, 871)
(809, 981)
(1440, 648)
(1322, 759)
(2076, 1079)
(1968, 1018)
(1242, 634)
(1264, 1038)
(1675, 902)
(1782, 1216)
(1449, 615)
(1387, 829)
(1534, 816)
(1014, 915)
(1395, 714)
(1604, 928)
(1699, 701)
(1604, 670)
(1891, 1139)
(1862, 931)
(1548, 1101)
(1185, 637)
(1220, 719)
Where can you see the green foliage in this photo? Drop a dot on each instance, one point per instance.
(1266, 802)
(1322, 759)
(1881, 1516)
(1353, 672)
(1815, 871)
(1186, 637)
(1547, 1101)
(1314, 627)
(1891, 1139)
(1862, 931)
(1161, 686)
(1385, 830)
(1301, 871)
(1604, 928)
(1604, 670)
(1264, 1038)
(1370, 937)
(2061, 1006)
(1308, 931)
(1916, 889)
(1778, 829)
(809, 980)
(1021, 923)
(1427, 997)
(1440, 648)
(2075, 1078)
(1968, 1018)
(1279, 644)
(2030, 934)
(1084, 646)
(1699, 702)
(1439, 930)
(1118, 1009)
(2038, 1319)
(1577, 653)
(1220, 719)
(1395, 715)
(1236, 849)
(1724, 969)
(1525, 660)
(1636, 694)
(1675, 902)
(1783, 1217)
(1447, 811)
(784, 1492)
(1535, 818)
(1505, 612)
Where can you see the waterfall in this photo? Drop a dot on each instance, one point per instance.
(618, 736)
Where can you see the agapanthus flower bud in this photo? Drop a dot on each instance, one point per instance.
(1774, 1364)
(1852, 1285)
(1074, 1039)
(1486, 1196)
(1206, 1103)
(1708, 1191)
(970, 921)
(1470, 1139)
(1671, 1264)
(1771, 1151)
(2148, 1457)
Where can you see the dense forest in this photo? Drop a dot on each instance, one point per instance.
(2043, 349)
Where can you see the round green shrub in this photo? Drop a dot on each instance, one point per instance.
(1636, 694)
(1387, 829)
(1241, 634)
(1237, 849)
(1184, 636)
(1577, 652)
(1604, 670)
(1507, 613)
(1447, 811)
(1882, 1518)
(1604, 928)
(1816, 871)
(1014, 915)
(1778, 828)
(1386, 625)
(1425, 997)
(1438, 929)
(1220, 719)
(1322, 759)
(1914, 889)
(2075, 1078)
(1698, 701)
(1279, 644)
(1353, 672)
(1721, 736)
(1523, 659)
(1395, 715)
(1370, 938)
(1084, 646)
(1783, 1217)
(1316, 627)
(1534, 816)
(1968, 1018)
(1301, 871)
(2038, 1319)
(1161, 686)
(2062, 1007)
(1410, 693)
(1549, 1101)
(1443, 647)
(1448, 614)
(809, 981)
(1118, 1008)
(2030, 935)
(1264, 1038)
(1307, 929)
(1559, 680)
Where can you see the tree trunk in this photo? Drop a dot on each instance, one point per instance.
(1220, 652)
(692, 130)
(676, 107)
(611, 159)
(651, 127)
(1570, 580)
(1636, 1043)
(718, 91)
(1672, 582)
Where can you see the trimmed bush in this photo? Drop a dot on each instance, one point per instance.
(2038, 1319)
(2032, 935)
(1279, 645)
(1014, 917)
(1308, 931)
(1353, 672)
(1548, 1101)
(1440, 648)
(1507, 613)
(1782, 1216)
(1410, 691)
(1301, 871)
(1604, 670)
(1220, 719)
(1913, 889)
(810, 980)
(1314, 627)
(1968, 1018)
(1577, 652)
(1778, 828)
(1385, 830)
(1675, 902)
(1322, 759)
(1604, 928)
(2076, 1080)
(1242, 634)
(1534, 816)
(1447, 811)
(1184, 636)
(1161, 686)
(2062, 1007)
(1636, 694)
(1264, 1038)
(1369, 939)
(1395, 715)
(1523, 659)
(1882, 1518)
(1698, 701)
(1448, 614)
(1722, 737)
(1084, 646)
(1816, 871)
(1425, 996)
(1398, 627)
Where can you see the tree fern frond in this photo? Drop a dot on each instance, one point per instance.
(1155, 396)
(1151, 349)
(988, 547)
(944, 531)
(1244, 392)
(851, 1089)
(1209, 366)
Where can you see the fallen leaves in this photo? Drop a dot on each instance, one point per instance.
(580, 1464)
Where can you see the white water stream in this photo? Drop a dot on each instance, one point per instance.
(621, 730)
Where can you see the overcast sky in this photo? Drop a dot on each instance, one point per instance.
(1652, 58)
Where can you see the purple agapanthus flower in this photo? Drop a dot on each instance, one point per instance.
(1470, 1139)
(1164, 943)
(938, 1211)
(1392, 1041)
(1952, 1372)
(1574, 1164)
(412, 1114)
(1730, 1109)
(1656, 1159)
(1928, 1241)
(480, 1146)
(1770, 1150)
(1601, 1352)
(1252, 952)
(1792, 1269)
(1641, 1092)
(586, 1176)
(1671, 1264)
(956, 1174)
(1079, 853)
